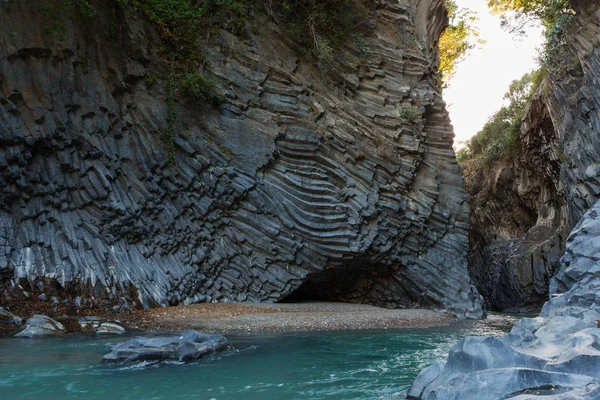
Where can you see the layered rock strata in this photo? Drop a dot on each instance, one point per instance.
(553, 356)
(342, 186)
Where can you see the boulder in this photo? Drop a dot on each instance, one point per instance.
(110, 328)
(89, 324)
(95, 325)
(186, 347)
(553, 356)
(41, 325)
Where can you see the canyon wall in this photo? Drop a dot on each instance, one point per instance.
(553, 356)
(523, 207)
(307, 181)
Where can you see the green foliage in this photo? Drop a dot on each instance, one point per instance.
(85, 65)
(557, 54)
(319, 27)
(199, 86)
(462, 155)
(500, 136)
(361, 44)
(170, 133)
(560, 153)
(150, 80)
(460, 37)
(177, 22)
(82, 7)
(518, 14)
(410, 114)
(537, 77)
(554, 15)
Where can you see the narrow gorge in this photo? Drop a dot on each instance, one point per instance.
(281, 171)
(525, 205)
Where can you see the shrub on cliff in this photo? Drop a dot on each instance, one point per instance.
(500, 136)
(460, 37)
(199, 86)
(554, 15)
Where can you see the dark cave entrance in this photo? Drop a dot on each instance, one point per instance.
(359, 283)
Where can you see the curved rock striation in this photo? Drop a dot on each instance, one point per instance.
(340, 185)
(555, 355)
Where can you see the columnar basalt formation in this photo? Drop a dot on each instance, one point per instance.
(340, 184)
(523, 208)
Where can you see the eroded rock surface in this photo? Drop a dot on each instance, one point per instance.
(553, 356)
(186, 347)
(340, 186)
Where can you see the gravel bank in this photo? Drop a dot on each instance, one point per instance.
(255, 318)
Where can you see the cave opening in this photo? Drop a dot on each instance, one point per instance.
(359, 283)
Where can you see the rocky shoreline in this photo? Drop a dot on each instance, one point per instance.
(245, 318)
(242, 318)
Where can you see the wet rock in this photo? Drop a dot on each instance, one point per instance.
(95, 325)
(186, 347)
(110, 328)
(39, 326)
(559, 350)
(89, 324)
(7, 317)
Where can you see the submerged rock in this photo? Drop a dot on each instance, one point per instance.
(556, 353)
(41, 325)
(188, 346)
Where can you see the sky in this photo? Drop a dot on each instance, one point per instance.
(478, 88)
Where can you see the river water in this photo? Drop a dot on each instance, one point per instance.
(320, 365)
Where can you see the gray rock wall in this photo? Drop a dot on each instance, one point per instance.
(553, 356)
(301, 179)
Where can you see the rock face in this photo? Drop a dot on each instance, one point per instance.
(518, 224)
(339, 186)
(523, 209)
(554, 354)
(187, 347)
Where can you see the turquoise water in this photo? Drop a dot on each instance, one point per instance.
(322, 365)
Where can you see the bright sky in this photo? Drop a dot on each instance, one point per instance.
(478, 88)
